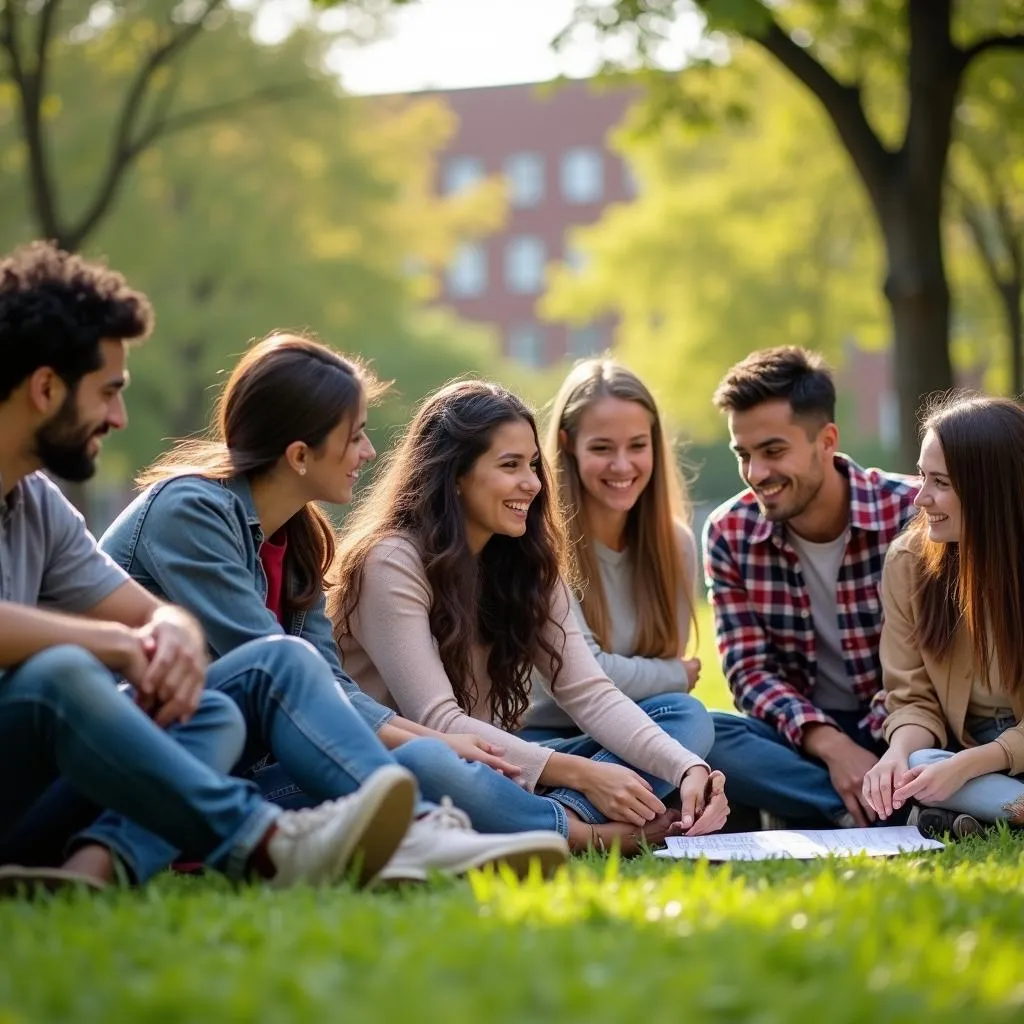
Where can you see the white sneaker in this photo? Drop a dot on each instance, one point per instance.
(318, 846)
(444, 841)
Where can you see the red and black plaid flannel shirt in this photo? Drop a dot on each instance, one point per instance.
(763, 620)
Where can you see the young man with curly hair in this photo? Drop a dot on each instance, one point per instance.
(72, 623)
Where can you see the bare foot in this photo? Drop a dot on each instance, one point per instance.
(93, 861)
(632, 840)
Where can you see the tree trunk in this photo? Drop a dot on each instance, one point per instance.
(1011, 293)
(918, 294)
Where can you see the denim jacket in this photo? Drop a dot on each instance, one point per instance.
(195, 542)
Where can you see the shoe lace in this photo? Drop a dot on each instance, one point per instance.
(446, 815)
(309, 819)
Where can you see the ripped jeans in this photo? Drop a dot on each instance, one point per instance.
(989, 798)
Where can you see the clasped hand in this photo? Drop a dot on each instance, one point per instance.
(891, 783)
(166, 663)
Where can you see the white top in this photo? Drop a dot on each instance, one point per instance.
(820, 563)
(636, 676)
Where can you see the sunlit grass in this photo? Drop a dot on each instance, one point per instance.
(711, 688)
(930, 937)
(935, 937)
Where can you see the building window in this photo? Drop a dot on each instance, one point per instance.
(630, 182)
(889, 420)
(525, 173)
(575, 259)
(524, 265)
(526, 344)
(467, 273)
(461, 173)
(585, 341)
(582, 175)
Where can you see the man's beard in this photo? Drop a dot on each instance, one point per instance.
(62, 445)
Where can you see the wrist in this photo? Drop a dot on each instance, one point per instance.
(117, 646)
(177, 615)
(822, 740)
(694, 771)
(572, 771)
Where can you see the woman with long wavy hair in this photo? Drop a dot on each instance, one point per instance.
(229, 527)
(952, 653)
(630, 543)
(449, 595)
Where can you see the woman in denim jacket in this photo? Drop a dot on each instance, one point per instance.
(228, 527)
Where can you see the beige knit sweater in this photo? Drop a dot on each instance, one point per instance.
(392, 655)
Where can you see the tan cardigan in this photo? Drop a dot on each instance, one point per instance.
(394, 658)
(919, 689)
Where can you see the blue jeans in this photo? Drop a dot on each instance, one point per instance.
(683, 717)
(993, 797)
(296, 715)
(61, 714)
(763, 770)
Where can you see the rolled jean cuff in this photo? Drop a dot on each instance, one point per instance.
(561, 818)
(232, 859)
(577, 802)
(123, 853)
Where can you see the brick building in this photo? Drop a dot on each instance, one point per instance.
(552, 146)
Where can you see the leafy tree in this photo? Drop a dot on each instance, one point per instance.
(725, 250)
(154, 41)
(306, 215)
(987, 185)
(849, 54)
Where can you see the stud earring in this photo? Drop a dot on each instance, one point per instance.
(302, 470)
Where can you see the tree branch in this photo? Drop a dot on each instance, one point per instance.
(123, 149)
(10, 42)
(843, 106)
(29, 85)
(200, 115)
(160, 129)
(969, 53)
(976, 228)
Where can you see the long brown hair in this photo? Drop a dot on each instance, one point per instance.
(659, 580)
(978, 583)
(501, 597)
(285, 388)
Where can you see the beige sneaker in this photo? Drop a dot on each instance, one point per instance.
(317, 846)
(444, 841)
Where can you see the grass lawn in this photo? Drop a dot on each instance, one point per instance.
(936, 937)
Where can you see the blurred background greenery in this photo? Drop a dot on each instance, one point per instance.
(237, 183)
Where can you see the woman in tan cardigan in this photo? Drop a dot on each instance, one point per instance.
(952, 653)
(449, 594)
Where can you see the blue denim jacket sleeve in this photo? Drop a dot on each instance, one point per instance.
(317, 630)
(192, 549)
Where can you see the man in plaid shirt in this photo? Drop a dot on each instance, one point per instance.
(793, 567)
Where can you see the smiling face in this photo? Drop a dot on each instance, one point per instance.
(333, 468)
(69, 442)
(937, 498)
(781, 459)
(500, 486)
(614, 454)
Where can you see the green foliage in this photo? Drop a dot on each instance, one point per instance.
(726, 249)
(300, 209)
(934, 937)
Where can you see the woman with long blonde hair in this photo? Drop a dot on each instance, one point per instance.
(631, 548)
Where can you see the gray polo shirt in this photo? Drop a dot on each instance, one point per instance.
(47, 556)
